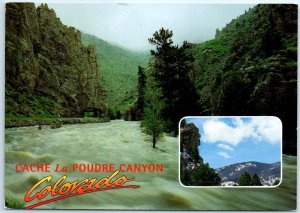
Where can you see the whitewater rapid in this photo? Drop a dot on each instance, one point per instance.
(120, 142)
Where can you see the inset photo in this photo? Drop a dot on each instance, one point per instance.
(235, 151)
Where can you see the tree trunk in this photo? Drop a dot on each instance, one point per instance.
(153, 141)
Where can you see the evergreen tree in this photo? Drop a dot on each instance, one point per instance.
(276, 182)
(203, 175)
(152, 122)
(255, 180)
(184, 97)
(141, 90)
(171, 68)
(217, 32)
(245, 179)
(163, 63)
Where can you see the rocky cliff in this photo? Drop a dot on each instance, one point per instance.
(193, 170)
(48, 71)
(189, 142)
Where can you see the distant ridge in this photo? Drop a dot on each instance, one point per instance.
(268, 173)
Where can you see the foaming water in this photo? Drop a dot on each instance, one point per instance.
(119, 142)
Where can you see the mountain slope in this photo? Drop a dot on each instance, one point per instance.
(119, 69)
(250, 68)
(268, 173)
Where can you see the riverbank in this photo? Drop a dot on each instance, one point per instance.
(19, 122)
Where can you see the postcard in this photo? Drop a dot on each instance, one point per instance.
(150, 106)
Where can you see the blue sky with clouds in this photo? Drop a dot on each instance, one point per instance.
(229, 140)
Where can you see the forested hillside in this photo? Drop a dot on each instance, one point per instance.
(250, 68)
(119, 68)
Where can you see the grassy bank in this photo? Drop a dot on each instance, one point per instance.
(55, 122)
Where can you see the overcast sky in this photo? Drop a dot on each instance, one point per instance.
(130, 25)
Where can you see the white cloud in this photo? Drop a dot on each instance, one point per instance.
(268, 129)
(223, 154)
(225, 147)
(216, 131)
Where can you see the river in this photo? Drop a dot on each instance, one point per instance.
(118, 142)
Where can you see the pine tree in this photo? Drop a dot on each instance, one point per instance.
(171, 68)
(255, 180)
(203, 175)
(141, 86)
(217, 32)
(152, 122)
(276, 182)
(245, 179)
(141, 91)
